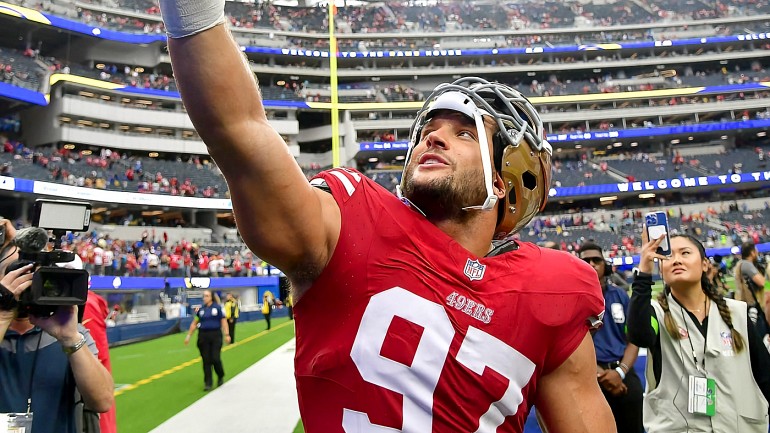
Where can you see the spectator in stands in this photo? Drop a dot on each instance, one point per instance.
(211, 324)
(615, 356)
(55, 363)
(722, 347)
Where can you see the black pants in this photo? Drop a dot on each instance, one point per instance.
(210, 346)
(627, 409)
(267, 319)
(231, 329)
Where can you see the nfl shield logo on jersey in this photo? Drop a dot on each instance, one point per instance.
(474, 269)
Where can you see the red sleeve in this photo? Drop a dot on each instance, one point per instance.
(93, 318)
(575, 305)
(341, 182)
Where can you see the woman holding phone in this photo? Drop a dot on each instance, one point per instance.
(707, 369)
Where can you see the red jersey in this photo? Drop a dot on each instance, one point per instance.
(406, 329)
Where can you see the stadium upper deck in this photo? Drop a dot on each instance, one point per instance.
(624, 91)
(394, 16)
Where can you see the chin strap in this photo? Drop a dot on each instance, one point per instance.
(486, 162)
(408, 202)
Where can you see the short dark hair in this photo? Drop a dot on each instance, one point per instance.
(746, 249)
(588, 246)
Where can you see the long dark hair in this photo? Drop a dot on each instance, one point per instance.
(710, 291)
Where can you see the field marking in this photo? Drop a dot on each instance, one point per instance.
(197, 360)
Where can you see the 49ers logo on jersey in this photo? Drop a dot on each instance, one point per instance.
(474, 269)
(469, 307)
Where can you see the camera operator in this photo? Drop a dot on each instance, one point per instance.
(43, 360)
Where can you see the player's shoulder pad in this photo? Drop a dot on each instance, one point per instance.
(570, 287)
(342, 183)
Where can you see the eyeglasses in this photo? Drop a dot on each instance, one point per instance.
(593, 260)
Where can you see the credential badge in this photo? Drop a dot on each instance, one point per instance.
(474, 269)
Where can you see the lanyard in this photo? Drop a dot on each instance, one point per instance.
(32, 374)
(702, 367)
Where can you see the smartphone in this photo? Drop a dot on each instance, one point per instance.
(657, 225)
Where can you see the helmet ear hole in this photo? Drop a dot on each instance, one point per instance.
(512, 197)
(529, 180)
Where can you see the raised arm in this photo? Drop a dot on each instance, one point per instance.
(280, 216)
(643, 326)
(573, 385)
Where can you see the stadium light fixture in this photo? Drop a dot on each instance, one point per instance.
(647, 195)
(608, 198)
(724, 137)
(617, 144)
(578, 146)
(761, 133)
(373, 159)
(690, 138)
(400, 157)
(675, 141)
(634, 144)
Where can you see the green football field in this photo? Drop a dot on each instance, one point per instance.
(156, 379)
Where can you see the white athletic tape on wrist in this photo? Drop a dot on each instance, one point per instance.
(188, 17)
(621, 373)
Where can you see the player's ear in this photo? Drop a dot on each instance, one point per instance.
(499, 186)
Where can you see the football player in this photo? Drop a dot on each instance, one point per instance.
(408, 317)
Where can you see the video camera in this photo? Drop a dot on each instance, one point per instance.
(52, 286)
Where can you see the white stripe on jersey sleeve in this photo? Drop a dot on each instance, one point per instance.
(345, 181)
(355, 175)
